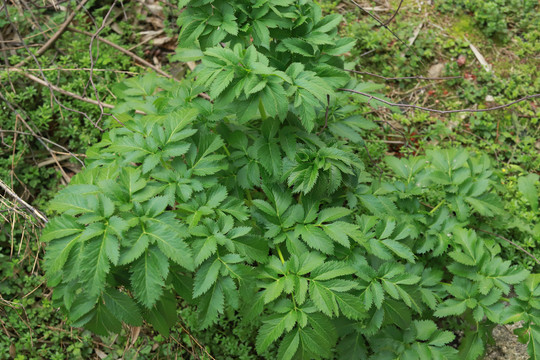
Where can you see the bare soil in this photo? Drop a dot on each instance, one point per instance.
(507, 345)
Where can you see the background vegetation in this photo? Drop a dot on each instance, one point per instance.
(40, 127)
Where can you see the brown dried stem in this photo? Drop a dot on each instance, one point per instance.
(56, 35)
(121, 49)
(405, 77)
(37, 214)
(372, 97)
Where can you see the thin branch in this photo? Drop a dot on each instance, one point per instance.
(381, 23)
(44, 139)
(7, 68)
(394, 15)
(405, 77)
(60, 90)
(366, 53)
(43, 74)
(127, 52)
(133, 56)
(91, 76)
(38, 215)
(39, 138)
(441, 111)
(510, 242)
(56, 35)
(67, 93)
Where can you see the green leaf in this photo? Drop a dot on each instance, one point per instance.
(204, 248)
(340, 232)
(487, 204)
(274, 100)
(183, 284)
(340, 47)
(187, 54)
(60, 227)
(221, 82)
(328, 23)
(58, 252)
(331, 270)
(399, 249)
(253, 247)
(397, 313)
(273, 291)
(270, 157)
(211, 305)
(424, 329)
(323, 298)
(472, 346)
(270, 331)
(94, 266)
(451, 307)
(206, 276)
(398, 166)
(533, 346)
(298, 46)
(170, 242)
(289, 345)
(314, 344)
(331, 214)
(351, 306)
(73, 204)
(123, 307)
(315, 238)
(112, 247)
(261, 34)
(442, 338)
(138, 242)
(163, 315)
(148, 276)
(103, 322)
(81, 306)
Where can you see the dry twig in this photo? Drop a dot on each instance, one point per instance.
(395, 13)
(60, 90)
(96, 93)
(67, 152)
(125, 51)
(55, 37)
(405, 77)
(512, 243)
(371, 97)
(37, 214)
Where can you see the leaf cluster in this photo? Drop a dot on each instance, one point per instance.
(235, 205)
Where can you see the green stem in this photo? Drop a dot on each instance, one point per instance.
(261, 110)
(226, 150)
(437, 207)
(249, 198)
(280, 254)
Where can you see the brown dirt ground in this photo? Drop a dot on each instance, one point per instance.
(507, 345)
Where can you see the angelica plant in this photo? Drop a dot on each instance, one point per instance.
(258, 202)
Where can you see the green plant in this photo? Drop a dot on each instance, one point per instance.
(494, 16)
(239, 206)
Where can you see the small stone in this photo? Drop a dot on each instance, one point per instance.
(490, 98)
(436, 70)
